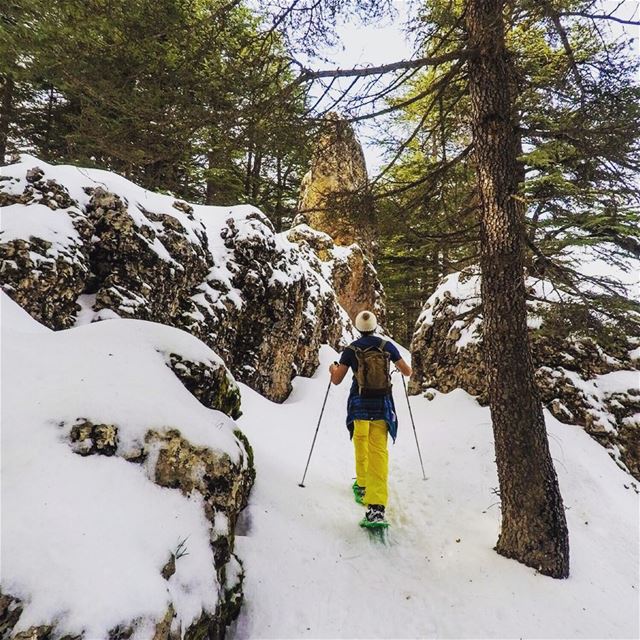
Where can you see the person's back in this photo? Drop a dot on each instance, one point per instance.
(370, 411)
(377, 353)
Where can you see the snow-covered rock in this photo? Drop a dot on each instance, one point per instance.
(80, 245)
(120, 489)
(351, 274)
(580, 381)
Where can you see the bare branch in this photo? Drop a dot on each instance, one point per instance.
(579, 14)
(310, 74)
(554, 16)
(436, 86)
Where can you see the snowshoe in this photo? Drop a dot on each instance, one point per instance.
(372, 526)
(358, 492)
(374, 518)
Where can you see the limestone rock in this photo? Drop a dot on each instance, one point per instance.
(88, 438)
(177, 464)
(223, 275)
(107, 362)
(267, 307)
(45, 275)
(142, 269)
(573, 373)
(349, 271)
(172, 461)
(334, 195)
(210, 384)
(10, 612)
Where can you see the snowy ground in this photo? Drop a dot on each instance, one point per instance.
(312, 572)
(84, 539)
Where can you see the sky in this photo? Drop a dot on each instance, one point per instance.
(384, 42)
(370, 44)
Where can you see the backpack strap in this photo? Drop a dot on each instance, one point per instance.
(380, 347)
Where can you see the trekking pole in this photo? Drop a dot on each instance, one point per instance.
(406, 393)
(326, 395)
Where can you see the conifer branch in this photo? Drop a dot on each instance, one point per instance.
(310, 74)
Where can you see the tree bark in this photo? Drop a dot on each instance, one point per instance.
(255, 175)
(278, 210)
(6, 114)
(534, 529)
(49, 125)
(211, 185)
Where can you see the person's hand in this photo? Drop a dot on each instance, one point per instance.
(332, 366)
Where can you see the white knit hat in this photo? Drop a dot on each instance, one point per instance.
(366, 321)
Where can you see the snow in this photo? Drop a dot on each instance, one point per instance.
(77, 179)
(618, 381)
(598, 390)
(464, 288)
(18, 222)
(85, 538)
(312, 572)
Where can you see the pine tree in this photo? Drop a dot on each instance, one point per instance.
(534, 529)
(577, 106)
(177, 95)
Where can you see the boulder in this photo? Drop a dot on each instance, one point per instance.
(143, 268)
(44, 248)
(267, 307)
(580, 381)
(129, 383)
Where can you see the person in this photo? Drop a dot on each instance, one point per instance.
(370, 419)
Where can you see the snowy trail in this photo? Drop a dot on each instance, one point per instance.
(312, 572)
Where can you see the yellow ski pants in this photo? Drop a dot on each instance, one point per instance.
(372, 459)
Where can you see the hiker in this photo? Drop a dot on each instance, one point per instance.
(370, 411)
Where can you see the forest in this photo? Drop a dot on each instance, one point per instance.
(214, 105)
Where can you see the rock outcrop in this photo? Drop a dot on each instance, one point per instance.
(79, 246)
(153, 424)
(334, 195)
(43, 274)
(580, 381)
(264, 304)
(350, 273)
(82, 246)
(172, 461)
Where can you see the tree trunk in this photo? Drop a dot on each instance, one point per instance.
(278, 209)
(248, 172)
(534, 529)
(255, 176)
(6, 111)
(49, 126)
(211, 185)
